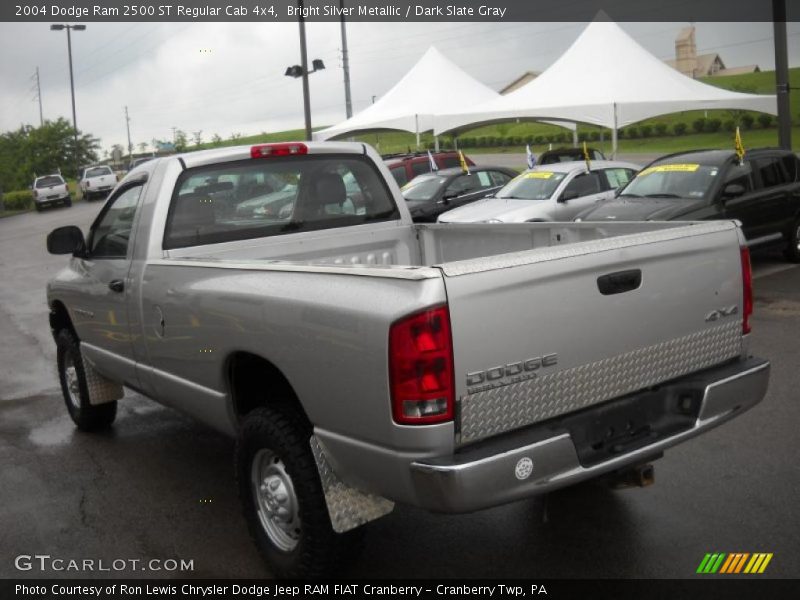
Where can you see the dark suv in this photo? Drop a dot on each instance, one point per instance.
(557, 155)
(763, 192)
(404, 167)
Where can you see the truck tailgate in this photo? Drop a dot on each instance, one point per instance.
(534, 336)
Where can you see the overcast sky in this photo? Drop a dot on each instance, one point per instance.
(228, 77)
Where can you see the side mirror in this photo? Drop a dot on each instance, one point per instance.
(733, 190)
(447, 196)
(66, 240)
(568, 195)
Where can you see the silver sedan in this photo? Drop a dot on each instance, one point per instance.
(554, 192)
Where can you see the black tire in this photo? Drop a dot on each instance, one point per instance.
(68, 202)
(38, 207)
(87, 417)
(279, 438)
(792, 251)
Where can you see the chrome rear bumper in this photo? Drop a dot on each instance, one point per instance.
(494, 473)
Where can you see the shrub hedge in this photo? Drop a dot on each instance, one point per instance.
(21, 200)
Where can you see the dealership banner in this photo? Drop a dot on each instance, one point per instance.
(446, 589)
(391, 10)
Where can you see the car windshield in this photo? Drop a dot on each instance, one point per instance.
(684, 180)
(48, 181)
(97, 172)
(423, 188)
(532, 185)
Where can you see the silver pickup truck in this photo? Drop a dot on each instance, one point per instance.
(361, 360)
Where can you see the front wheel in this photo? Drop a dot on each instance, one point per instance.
(68, 202)
(71, 373)
(282, 497)
(792, 251)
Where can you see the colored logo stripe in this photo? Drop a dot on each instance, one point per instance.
(733, 563)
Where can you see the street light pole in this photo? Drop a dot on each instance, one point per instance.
(69, 28)
(304, 66)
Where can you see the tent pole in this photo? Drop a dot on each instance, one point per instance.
(614, 137)
(416, 127)
(436, 143)
(575, 136)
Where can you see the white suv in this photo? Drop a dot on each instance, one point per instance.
(50, 189)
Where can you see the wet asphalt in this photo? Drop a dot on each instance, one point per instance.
(160, 486)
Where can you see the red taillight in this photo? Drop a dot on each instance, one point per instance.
(269, 150)
(421, 368)
(747, 285)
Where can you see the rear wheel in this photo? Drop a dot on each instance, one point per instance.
(792, 251)
(87, 417)
(282, 497)
(38, 207)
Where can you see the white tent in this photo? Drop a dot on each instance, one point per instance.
(605, 78)
(433, 85)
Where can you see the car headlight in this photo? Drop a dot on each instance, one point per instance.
(494, 221)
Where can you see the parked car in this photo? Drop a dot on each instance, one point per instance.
(429, 195)
(97, 182)
(362, 360)
(557, 155)
(554, 192)
(763, 193)
(405, 167)
(49, 190)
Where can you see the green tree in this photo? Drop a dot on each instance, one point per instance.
(197, 137)
(216, 140)
(180, 140)
(50, 148)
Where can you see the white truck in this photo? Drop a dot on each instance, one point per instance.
(361, 360)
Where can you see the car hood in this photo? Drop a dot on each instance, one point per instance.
(642, 209)
(501, 209)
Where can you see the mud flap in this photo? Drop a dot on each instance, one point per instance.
(348, 507)
(101, 389)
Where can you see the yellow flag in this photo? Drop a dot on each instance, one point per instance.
(739, 146)
(463, 161)
(586, 157)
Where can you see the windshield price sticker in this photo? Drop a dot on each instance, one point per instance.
(670, 169)
(539, 175)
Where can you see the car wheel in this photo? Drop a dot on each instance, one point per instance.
(282, 497)
(792, 250)
(87, 417)
(68, 202)
(38, 207)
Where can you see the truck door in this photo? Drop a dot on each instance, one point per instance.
(101, 315)
(762, 206)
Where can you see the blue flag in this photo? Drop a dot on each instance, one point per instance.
(529, 155)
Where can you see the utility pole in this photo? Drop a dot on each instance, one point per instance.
(128, 126)
(782, 74)
(39, 97)
(69, 29)
(348, 105)
(304, 66)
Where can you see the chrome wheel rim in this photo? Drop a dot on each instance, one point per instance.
(71, 378)
(276, 501)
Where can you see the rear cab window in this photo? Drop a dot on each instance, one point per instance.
(97, 172)
(267, 197)
(48, 181)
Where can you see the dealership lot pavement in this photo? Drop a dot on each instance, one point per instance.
(160, 486)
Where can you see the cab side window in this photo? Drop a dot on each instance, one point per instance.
(770, 171)
(111, 233)
(399, 174)
(618, 178)
(741, 175)
(584, 185)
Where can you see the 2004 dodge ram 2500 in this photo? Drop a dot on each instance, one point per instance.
(281, 294)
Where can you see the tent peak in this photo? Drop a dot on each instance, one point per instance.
(601, 17)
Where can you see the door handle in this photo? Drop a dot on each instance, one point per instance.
(620, 282)
(116, 285)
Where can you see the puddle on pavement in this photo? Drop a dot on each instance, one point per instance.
(55, 432)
